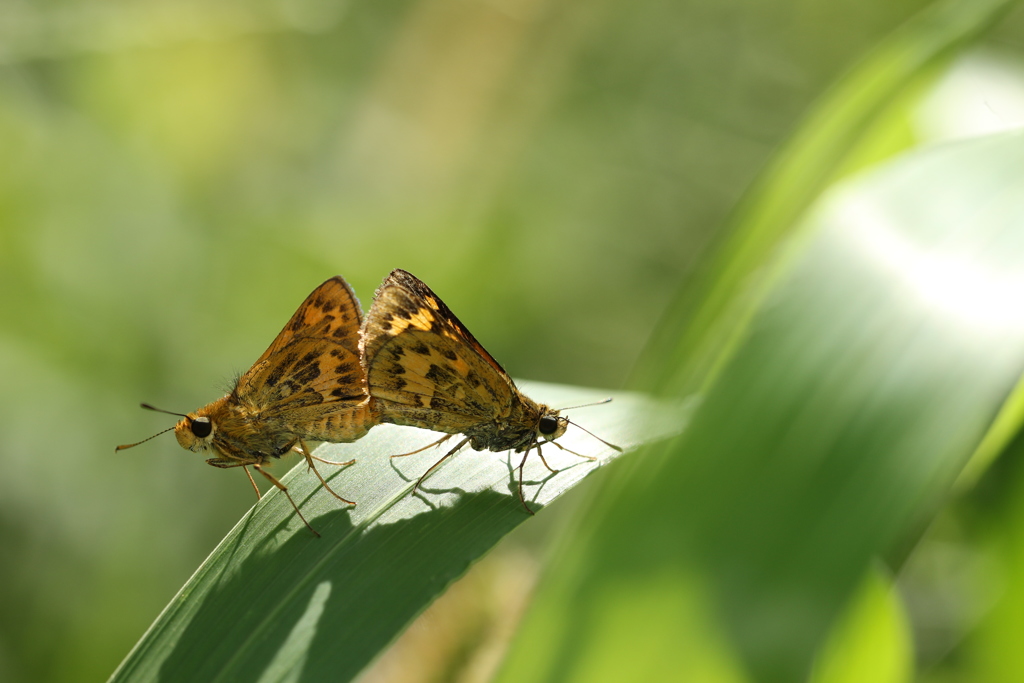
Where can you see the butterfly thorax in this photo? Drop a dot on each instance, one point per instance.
(517, 431)
(235, 430)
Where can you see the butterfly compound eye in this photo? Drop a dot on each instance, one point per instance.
(548, 425)
(201, 427)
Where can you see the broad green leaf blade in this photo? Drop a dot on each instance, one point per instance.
(274, 603)
(864, 382)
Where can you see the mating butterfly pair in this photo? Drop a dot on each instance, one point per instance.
(331, 376)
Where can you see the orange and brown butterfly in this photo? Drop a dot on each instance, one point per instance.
(425, 369)
(308, 386)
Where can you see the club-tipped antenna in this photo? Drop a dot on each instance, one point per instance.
(587, 405)
(132, 445)
(610, 445)
(159, 410)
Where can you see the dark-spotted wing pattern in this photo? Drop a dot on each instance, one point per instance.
(424, 367)
(310, 375)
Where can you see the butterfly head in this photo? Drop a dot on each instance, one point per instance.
(568, 422)
(551, 425)
(195, 432)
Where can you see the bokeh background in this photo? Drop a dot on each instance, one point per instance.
(177, 175)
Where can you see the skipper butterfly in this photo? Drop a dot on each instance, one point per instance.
(308, 386)
(425, 369)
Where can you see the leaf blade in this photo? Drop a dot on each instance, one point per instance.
(274, 603)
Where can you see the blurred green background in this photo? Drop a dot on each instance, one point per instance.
(178, 175)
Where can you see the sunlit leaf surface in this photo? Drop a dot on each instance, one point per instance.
(274, 603)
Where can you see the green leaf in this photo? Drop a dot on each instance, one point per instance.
(867, 377)
(274, 603)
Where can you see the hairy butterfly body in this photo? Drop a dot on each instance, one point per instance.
(425, 369)
(307, 386)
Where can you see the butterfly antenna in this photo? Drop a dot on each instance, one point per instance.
(610, 445)
(154, 408)
(587, 405)
(161, 410)
(132, 445)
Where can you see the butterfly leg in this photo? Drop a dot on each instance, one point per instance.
(434, 466)
(522, 463)
(429, 445)
(333, 462)
(299, 449)
(552, 471)
(259, 496)
(309, 460)
(284, 489)
(588, 457)
(227, 463)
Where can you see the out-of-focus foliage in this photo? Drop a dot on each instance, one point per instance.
(861, 360)
(177, 175)
(835, 429)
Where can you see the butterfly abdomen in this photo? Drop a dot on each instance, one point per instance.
(345, 425)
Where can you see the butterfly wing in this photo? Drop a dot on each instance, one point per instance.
(309, 379)
(424, 367)
(331, 310)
